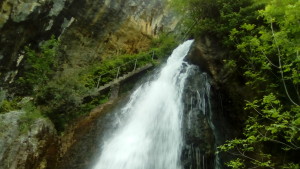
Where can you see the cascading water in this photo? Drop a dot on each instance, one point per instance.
(151, 135)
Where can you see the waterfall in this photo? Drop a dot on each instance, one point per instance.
(150, 135)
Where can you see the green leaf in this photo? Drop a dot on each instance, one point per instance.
(297, 121)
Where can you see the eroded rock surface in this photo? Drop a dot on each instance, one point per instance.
(26, 147)
(89, 30)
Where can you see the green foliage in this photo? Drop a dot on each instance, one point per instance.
(236, 164)
(31, 114)
(7, 105)
(230, 65)
(162, 46)
(61, 98)
(269, 54)
(66, 95)
(262, 39)
(107, 70)
(212, 17)
(40, 65)
(94, 102)
(119, 65)
(271, 124)
(291, 166)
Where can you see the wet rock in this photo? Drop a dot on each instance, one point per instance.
(208, 56)
(228, 90)
(198, 130)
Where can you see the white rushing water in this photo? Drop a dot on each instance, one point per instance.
(151, 136)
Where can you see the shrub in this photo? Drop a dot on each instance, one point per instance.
(107, 70)
(31, 114)
(39, 66)
(61, 98)
(8, 105)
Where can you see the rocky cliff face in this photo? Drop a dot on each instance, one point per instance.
(89, 30)
(33, 147)
(198, 130)
(228, 87)
(227, 93)
(21, 23)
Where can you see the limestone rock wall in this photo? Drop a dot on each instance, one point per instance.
(22, 23)
(89, 30)
(30, 148)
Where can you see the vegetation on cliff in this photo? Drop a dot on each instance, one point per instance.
(262, 40)
(63, 93)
